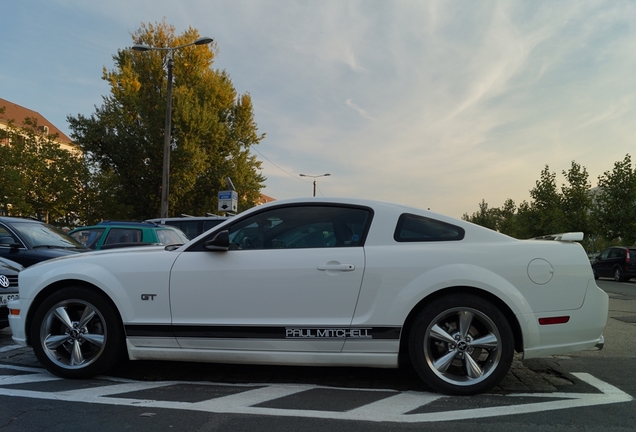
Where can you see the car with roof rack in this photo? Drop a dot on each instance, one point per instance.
(192, 226)
(118, 234)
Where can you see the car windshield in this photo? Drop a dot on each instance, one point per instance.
(42, 235)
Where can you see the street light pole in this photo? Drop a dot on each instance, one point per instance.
(165, 177)
(315, 177)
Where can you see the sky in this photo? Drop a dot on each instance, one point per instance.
(433, 104)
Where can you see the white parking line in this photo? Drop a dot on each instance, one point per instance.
(389, 409)
(9, 348)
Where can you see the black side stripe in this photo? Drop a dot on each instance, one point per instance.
(244, 332)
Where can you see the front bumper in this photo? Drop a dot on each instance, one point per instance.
(18, 322)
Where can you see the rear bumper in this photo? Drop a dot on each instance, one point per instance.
(583, 331)
(601, 343)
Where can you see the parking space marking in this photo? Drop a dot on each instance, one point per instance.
(9, 348)
(394, 408)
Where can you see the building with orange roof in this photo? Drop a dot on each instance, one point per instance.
(15, 115)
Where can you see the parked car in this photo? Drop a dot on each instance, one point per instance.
(29, 241)
(329, 282)
(616, 262)
(8, 287)
(110, 235)
(192, 226)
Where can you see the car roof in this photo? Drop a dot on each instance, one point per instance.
(187, 218)
(121, 224)
(10, 219)
(126, 223)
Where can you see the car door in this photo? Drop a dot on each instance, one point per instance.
(601, 264)
(290, 281)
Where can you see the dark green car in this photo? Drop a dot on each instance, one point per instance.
(110, 235)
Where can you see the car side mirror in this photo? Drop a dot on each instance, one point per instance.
(219, 243)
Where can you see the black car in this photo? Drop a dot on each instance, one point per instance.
(29, 241)
(618, 262)
(8, 287)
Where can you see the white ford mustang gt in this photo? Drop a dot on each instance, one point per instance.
(340, 282)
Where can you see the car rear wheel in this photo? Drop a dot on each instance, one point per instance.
(461, 344)
(77, 333)
(618, 275)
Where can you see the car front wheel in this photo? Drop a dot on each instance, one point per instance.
(461, 344)
(76, 333)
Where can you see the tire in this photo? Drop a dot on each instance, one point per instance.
(461, 344)
(618, 275)
(77, 333)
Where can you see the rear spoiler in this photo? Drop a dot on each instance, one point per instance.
(565, 237)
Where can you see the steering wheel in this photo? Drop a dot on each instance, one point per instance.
(248, 243)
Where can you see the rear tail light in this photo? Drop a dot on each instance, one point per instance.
(554, 320)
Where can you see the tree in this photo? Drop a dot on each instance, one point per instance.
(40, 178)
(213, 129)
(545, 215)
(616, 203)
(576, 201)
(508, 223)
(484, 217)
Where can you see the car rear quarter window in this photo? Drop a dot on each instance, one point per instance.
(414, 228)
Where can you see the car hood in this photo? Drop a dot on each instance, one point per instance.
(90, 255)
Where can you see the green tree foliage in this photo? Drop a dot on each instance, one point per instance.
(40, 179)
(485, 217)
(616, 203)
(213, 129)
(545, 215)
(550, 211)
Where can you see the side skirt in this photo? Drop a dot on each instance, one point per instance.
(288, 358)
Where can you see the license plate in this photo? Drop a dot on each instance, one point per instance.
(6, 298)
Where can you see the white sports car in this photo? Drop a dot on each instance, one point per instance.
(340, 282)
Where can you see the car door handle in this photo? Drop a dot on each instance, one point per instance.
(337, 267)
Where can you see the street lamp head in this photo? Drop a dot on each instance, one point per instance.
(140, 48)
(203, 41)
(326, 175)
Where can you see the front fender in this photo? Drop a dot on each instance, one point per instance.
(138, 287)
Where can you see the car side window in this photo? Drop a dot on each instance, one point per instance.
(6, 238)
(123, 235)
(301, 227)
(190, 228)
(605, 254)
(414, 228)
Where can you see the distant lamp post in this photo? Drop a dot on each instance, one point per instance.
(165, 179)
(315, 177)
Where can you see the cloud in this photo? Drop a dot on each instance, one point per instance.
(436, 104)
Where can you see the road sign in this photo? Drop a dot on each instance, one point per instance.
(228, 201)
